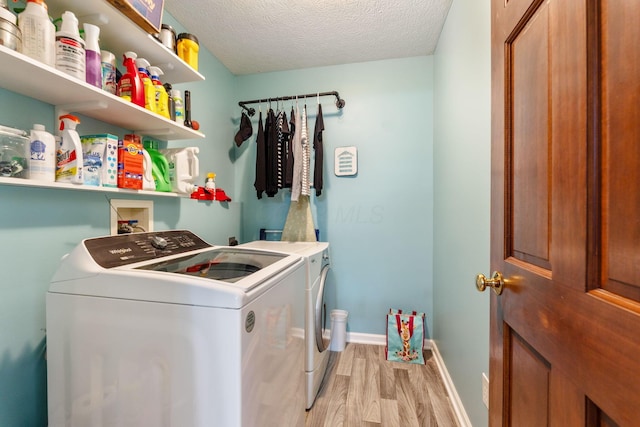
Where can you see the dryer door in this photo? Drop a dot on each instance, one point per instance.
(323, 308)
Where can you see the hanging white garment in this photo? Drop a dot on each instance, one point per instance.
(296, 145)
(306, 156)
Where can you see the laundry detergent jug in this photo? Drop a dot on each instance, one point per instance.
(159, 167)
(183, 168)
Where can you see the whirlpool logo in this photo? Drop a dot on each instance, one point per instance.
(120, 251)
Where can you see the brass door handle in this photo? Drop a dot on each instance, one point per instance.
(496, 282)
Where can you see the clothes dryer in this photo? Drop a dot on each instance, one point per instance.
(163, 329)
(320, 299)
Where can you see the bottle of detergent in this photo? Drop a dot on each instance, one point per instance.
(38, 33)
(184, 168)
(70, 52)
(161, 98)
(69, 155)
(147, 177)
(93, 57)
(130, 85)
(159, 167)
(149, 91)
(178, 105)
(42, 161)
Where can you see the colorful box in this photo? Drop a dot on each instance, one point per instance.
(130, 163)
(147, 14)
(107, 173)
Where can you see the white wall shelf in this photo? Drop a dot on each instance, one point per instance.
(28, 77)
(65, 186)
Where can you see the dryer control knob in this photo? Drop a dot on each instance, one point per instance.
(159, 242)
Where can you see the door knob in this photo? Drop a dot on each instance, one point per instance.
(496, 282)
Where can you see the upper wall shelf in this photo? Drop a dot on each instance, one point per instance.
(23, 75)
(119, 34)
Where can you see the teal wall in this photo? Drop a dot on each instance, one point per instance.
(380, 222)
(38, 226)
(462, 165)
(410, 231)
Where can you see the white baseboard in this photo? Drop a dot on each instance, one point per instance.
(458, 408)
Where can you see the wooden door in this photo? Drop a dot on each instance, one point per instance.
(565, 228)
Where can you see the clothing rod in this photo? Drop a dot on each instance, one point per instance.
(251, 111)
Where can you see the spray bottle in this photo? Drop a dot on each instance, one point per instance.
(70, 53)
(149, 91)
(161, 96)
(130, 85)
(69, 155)
(92, 54)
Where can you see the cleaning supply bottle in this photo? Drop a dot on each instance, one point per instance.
(130, 85)
(70, 52)
(69, 155)
(178, 105)
(184, 168)
(149, 91)
(210, 184)
(147, 177)
(161, 97)
(159, 167)
(42, 161)
(93, 57)
(170, 102)
(38, 32)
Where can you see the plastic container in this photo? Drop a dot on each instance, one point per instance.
(130, 162)
(42, 158)
(184, 168)
(147, 177)
(167, 37)
(93, 57)
(70, 162)
(108, 66)
(70, 51)
(14, 155)
(38, 33)
(187, 47)
(159, 167)
(178, 104)
(161, 98)
(130, 85)
(149, 91)
(338, 330)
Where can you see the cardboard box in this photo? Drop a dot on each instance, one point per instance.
(108, 170)
(147, 14)
(130, 163)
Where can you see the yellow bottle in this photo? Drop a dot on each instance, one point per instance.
(147, 84)
(161, 97)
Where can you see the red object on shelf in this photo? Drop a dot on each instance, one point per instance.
(202, 193)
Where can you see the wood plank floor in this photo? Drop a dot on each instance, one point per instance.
(361, 388)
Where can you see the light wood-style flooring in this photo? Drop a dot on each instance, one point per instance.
(362, 388)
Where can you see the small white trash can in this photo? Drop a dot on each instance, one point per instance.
(338, 329)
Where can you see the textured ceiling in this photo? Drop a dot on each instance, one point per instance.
(257, 36)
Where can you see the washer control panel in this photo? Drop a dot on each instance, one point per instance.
(124, 249)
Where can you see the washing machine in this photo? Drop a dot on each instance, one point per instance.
(163, 329)
(320, 299)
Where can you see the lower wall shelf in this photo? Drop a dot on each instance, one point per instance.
(64, 186)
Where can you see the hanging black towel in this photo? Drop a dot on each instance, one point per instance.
(260, 183)
(317, 145)
(271, 138)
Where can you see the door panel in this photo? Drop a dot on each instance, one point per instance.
(565, 202)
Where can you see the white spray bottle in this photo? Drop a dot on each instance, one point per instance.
(69, 154)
